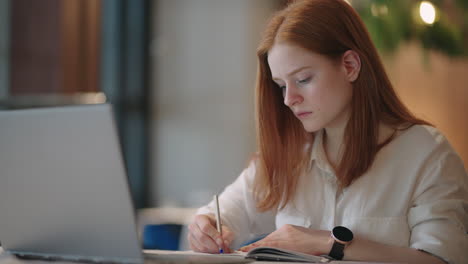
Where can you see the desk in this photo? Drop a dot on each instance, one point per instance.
(6, 258)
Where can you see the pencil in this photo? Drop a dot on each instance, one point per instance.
(218, 222)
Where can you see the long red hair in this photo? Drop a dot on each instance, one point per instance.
(328, 27)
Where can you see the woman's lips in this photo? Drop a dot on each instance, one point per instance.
(301, 115)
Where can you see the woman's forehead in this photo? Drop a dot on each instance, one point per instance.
(284, 58)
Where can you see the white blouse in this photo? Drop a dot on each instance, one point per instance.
(415, 194)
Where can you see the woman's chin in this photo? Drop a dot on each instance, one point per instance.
(311, 128)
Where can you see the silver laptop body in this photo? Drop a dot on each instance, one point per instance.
(64, 192)
(63, 187)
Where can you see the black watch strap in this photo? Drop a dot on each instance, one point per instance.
(336, 251)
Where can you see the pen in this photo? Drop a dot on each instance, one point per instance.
(218, 221)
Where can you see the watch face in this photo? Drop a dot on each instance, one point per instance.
(342, 233)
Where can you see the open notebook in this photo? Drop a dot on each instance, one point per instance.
(277, 254)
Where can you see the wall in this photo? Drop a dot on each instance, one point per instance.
(202, 79)
(435, 88)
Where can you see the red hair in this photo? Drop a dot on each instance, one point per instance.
(328, 27)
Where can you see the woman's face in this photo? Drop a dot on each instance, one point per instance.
(318, 90)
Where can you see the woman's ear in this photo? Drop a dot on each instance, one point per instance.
(352, 64)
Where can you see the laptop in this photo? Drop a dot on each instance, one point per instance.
(64, 192)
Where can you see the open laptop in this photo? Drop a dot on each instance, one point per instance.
(63, 189)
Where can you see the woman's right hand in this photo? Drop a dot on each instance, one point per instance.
(204, 237)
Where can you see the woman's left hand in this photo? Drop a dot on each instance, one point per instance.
(297, 238)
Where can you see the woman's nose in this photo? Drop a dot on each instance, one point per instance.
(292, 96)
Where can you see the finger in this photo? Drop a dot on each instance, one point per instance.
(275, 244)
(228, 236)
(249, 247)
(202, 247)
(227, 250)
(261, 243)
(193, 244)
(203, 242)
(207, 228)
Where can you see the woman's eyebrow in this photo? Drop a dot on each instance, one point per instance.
(292, 72)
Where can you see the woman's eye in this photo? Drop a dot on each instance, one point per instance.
(304, 81)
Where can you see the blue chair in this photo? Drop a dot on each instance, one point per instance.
(162, 236)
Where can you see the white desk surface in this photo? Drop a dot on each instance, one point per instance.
(6, 258)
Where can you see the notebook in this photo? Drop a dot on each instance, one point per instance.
(64, 192)
(284, 255)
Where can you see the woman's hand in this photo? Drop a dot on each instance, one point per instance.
(204, 237)
(297, 238)
(318, 242)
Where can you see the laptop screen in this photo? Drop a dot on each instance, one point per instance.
(63, 187)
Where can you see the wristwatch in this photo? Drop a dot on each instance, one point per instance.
(342, 237)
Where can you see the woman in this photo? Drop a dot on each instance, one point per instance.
(343, 168)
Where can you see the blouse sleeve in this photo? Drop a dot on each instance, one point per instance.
(238, 209)
(438, 217)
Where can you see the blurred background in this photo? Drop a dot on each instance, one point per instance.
(181, 75)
